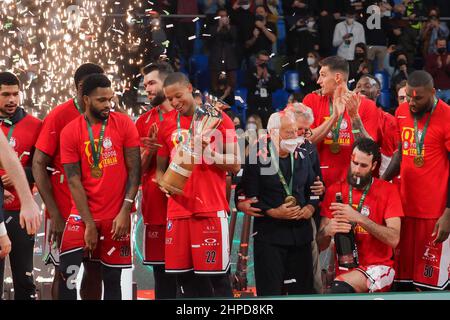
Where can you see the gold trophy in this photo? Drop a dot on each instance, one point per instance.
(207, 117)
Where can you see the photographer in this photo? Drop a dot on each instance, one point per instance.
(264, 33)
(261, 82)
(302, 38)
(346, 35)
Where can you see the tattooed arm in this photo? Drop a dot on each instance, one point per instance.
(73, 173)
(41, 161)
(358, 129)
(121, 224)
(393, 169)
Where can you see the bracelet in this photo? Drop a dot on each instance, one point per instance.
(129, 200)
(3, 231)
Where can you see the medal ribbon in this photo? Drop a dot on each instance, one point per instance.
(419, 142)
(287, 188)
(96, 152)
(363, 197)
(11, 129)
(75, 101)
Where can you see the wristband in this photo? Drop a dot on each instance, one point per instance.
(129, 200)
(3, 231)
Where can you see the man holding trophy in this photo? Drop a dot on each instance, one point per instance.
(198, 147)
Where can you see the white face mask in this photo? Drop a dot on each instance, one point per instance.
(289, 145)
(245, 7)
(311, 61)
(251, 126)
(300, 140)
(311, 24)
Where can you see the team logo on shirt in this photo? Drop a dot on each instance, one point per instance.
(344, 124)
(107, 143)
(365, 211)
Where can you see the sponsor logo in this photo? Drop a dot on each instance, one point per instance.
(169, 225)
(152, 234)
(72, 228)
(210, 242)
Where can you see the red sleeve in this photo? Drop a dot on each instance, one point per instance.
(227, 128)
(140, 126)
(311, 101)
(447, 128)
(164, 150)
(48, 139)
(70, 144)
(131, 134)
(370, 117)
(394, 205)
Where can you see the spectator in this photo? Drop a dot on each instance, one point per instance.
(185, 28)
(432, 30)
(309, 73)
(404, 38)
(242, 17)
(222, 59)
(302, 38)
(153, 39)
(223, 86)
(261, 82)
(263, 35)
(401, 69)
(360, 65)
(298, 9)
(438, 65)
(272, 9)
(346, 35)
(296, 97)
(328, 13)
(376, 38)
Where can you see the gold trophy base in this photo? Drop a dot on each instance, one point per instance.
(178, 173)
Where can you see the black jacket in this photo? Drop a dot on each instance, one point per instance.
(270, 193)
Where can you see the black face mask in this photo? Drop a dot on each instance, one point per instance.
(237, 127)
(441, 50)
(360, 56)
(259, 17)
(401, 62)
(263, 65)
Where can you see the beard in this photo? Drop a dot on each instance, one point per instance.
(420, 113)
(158, 99)
(363, 180)
(99, 115)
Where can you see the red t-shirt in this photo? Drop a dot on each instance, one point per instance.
(49, 143)
(204, 191)
(424, 190)
(154, 201)
(105, 195)
(22, 141)
(389, 133)
(381, 203)
(335, 166)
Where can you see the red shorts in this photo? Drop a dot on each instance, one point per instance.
(417, 260)
(154, 244)
(199, 243)
(111, 253)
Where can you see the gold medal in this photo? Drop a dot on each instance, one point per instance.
(419, 161)
(96, 172)
(335, 147)
(290, 201)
